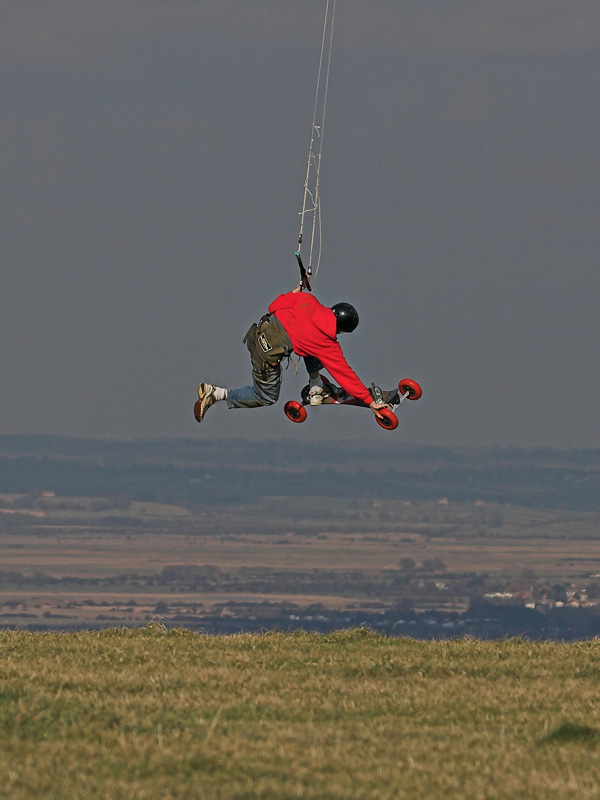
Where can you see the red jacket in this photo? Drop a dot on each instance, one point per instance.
(312, 331)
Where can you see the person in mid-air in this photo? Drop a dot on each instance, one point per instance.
(297, 322)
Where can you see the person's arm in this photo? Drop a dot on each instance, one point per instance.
(339, 369)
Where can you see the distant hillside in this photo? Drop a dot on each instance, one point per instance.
(236, 471)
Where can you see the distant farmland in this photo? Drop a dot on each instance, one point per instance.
(237, 536)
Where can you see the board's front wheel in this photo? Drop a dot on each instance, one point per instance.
(410, 386)
(295, 411)
(387, 420)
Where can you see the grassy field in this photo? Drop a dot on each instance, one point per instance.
(149, 713)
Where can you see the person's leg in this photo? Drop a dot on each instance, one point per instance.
(316, 387)
(313, 365)
(264, 391)
(265, 340)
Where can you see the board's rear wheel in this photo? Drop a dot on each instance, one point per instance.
(295, 411)
(387, 420)
(410, 386)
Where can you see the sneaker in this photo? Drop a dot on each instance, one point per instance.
(316, 395)
(206, 399)
(330, 389)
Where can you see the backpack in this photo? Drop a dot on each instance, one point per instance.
(267, 342)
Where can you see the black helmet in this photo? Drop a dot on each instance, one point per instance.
(346, 316)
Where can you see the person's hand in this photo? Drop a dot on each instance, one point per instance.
(297, 289)
(377, 407)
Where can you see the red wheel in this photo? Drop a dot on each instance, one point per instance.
(388, 419)
(295, 411)
(412, 387)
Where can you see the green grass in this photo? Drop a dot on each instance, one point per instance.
(150, 713)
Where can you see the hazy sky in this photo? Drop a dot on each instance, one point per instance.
(152, 164)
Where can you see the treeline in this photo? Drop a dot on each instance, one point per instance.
(35, 499)
(229, 472)
(428, 584)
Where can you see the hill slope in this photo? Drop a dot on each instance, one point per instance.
(171, 714)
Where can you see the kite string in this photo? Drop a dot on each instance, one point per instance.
(312, 190)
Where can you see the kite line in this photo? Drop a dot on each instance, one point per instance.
(311, 202)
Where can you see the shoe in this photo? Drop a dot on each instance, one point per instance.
(206, 399)
(331, 389)
(316, 395)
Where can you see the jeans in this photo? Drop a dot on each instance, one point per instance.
(266, 377)
(266, 385)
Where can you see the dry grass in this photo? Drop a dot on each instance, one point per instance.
(151, 713)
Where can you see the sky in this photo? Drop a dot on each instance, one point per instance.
(152, 167)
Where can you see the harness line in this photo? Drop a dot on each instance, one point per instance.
(311, 203)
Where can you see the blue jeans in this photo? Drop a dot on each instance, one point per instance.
(266, 373)
(264, 391)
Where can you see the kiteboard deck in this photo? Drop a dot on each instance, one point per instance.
(296, 410)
